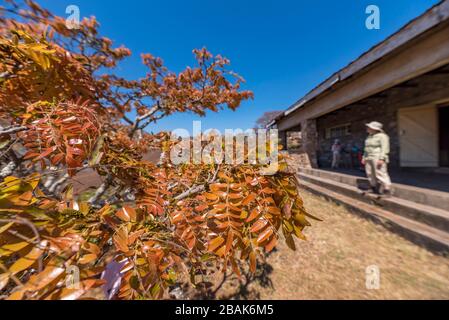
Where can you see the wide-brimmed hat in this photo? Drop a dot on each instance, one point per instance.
(375, 126)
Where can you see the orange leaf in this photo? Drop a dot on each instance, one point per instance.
(215, 243)
(229, 242)
(201, 208)
(235, 196)
(259, 225)
(121, 240)
(274, 210)
(46, 153)
(270, 246)
(265, 235)
(249, 199)
(191, 243)
(235, 267)
(217, 187)
(28, 260)
(92, 247)
(177, 218)
(268, 191)
(255, 213)
(252, 262)
(224, 176)
(74, 294)
(134, 236)
(221, 252)
(127, 214)
(88, 258)
(211, 196)
(44, 278)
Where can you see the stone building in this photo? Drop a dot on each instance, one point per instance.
(402, 82)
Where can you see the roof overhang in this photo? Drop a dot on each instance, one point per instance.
(416, 32)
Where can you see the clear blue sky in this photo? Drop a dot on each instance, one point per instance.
(283, 48)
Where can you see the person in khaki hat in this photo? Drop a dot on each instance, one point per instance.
(376, 159)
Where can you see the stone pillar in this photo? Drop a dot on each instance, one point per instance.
(283, 139)
(309, 143)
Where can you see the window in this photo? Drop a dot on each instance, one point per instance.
(294, 139)
(338, 131)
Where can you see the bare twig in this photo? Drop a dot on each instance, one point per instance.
(8, 169)
(101, 191)
(54, 186)
(190, 192)
(5, 75)
(150, 113)
(12, 276)
(13, 164)
(199, 188)
(8, 147)
(13, 130)
(29, 224)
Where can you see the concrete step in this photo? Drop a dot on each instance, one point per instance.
(419, 233)
(428, 197)
(434, 217)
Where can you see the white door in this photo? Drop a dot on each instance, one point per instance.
(418, 136)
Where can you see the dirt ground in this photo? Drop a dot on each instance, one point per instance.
(332, 264)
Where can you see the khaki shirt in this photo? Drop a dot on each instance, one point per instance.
(377, 147)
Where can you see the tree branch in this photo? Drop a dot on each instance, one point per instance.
(101, 191)
(29, 224)
(190, 192)
(12, 165)
(5, 75)
(11, 275)
(147, 115)
(54, 186)
(13, 130)
(8, 170)
(198, 188)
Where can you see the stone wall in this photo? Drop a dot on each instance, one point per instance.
(298, 160)
(357, 117)
(294, 141)
(310, 141)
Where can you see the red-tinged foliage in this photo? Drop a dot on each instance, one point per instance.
(65, 134)
(62, 111)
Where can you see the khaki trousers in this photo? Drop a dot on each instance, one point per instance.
(336, 160)
(378, 176)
